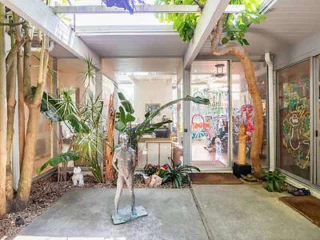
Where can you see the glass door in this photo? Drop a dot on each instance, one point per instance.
(210, 124)
(294, 152)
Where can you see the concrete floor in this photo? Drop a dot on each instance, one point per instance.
(86, 213)
(231, 212)
(236, 212)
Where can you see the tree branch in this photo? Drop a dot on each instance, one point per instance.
(26, 63)
(13, 52)
(12, 24)
(201, 6)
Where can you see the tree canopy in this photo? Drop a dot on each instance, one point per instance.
(235, 25)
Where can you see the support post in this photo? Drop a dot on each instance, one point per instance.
(272, 114)
(55, 85)
(187, 152)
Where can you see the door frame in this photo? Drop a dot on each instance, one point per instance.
(316, 121)
(187, 119)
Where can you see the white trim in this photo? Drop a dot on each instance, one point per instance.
(187, 147)
(271, 114)
(209, 19)
(101, 9)
(42, 17)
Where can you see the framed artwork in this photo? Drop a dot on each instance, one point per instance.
(150, 107)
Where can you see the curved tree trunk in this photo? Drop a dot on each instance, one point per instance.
(3, 115)
(239, 51)
(109, 145)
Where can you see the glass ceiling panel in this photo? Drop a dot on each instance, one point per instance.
(106, 19)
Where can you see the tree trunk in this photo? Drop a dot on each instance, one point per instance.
(29, 154)
(21, 117)
(3, 115)
(109, 145)
(235, 49)
(11, 105)
(33, 103)
(21, 114)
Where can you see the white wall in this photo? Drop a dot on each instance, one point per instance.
(308, 47)
(156, 92)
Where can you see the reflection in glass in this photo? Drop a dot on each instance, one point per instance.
(210, 124)
(243, 111)
(294, 119)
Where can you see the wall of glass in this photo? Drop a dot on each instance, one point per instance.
(242, 109)
(294, 119)
(210, 124)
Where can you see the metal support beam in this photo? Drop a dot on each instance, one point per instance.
(99, 9)
(210, 17)
(271, 114)
(187, 153)
(42, 17)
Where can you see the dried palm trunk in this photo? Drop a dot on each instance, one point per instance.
(109, 144)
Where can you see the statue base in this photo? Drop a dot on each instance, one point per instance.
(124, 215)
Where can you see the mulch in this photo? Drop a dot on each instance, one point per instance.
(214, 178)
(308, 206)
(46, 192)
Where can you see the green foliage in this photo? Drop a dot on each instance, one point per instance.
(275, 180)
(61, 158)
(90, 73)
(235, 27)
(84, 123)
(124, 118)
(177, 174)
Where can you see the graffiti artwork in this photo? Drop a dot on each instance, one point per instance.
(296, 129)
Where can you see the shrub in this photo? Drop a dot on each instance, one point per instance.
(275, 181)
(177, 174)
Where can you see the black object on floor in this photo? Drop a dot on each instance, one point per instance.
(239, 169)
(19, 221)
(300, 192)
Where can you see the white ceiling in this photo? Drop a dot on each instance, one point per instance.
(288, 22)
(164, 65)
(136, 45)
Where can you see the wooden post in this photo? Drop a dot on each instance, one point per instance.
(109, 141)
(242, 144)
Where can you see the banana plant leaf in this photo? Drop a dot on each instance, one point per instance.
(61, 158)
(151, 115)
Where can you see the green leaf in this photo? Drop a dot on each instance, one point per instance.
(127, 106)
(121, 96)
(130, 118)
(225, 40)
(120, 126)
(61, 158)
(245, 41)
(122, 115)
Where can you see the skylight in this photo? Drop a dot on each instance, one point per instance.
(107, 19)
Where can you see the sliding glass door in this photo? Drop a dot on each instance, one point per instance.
(294, 152)
(210, 124)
